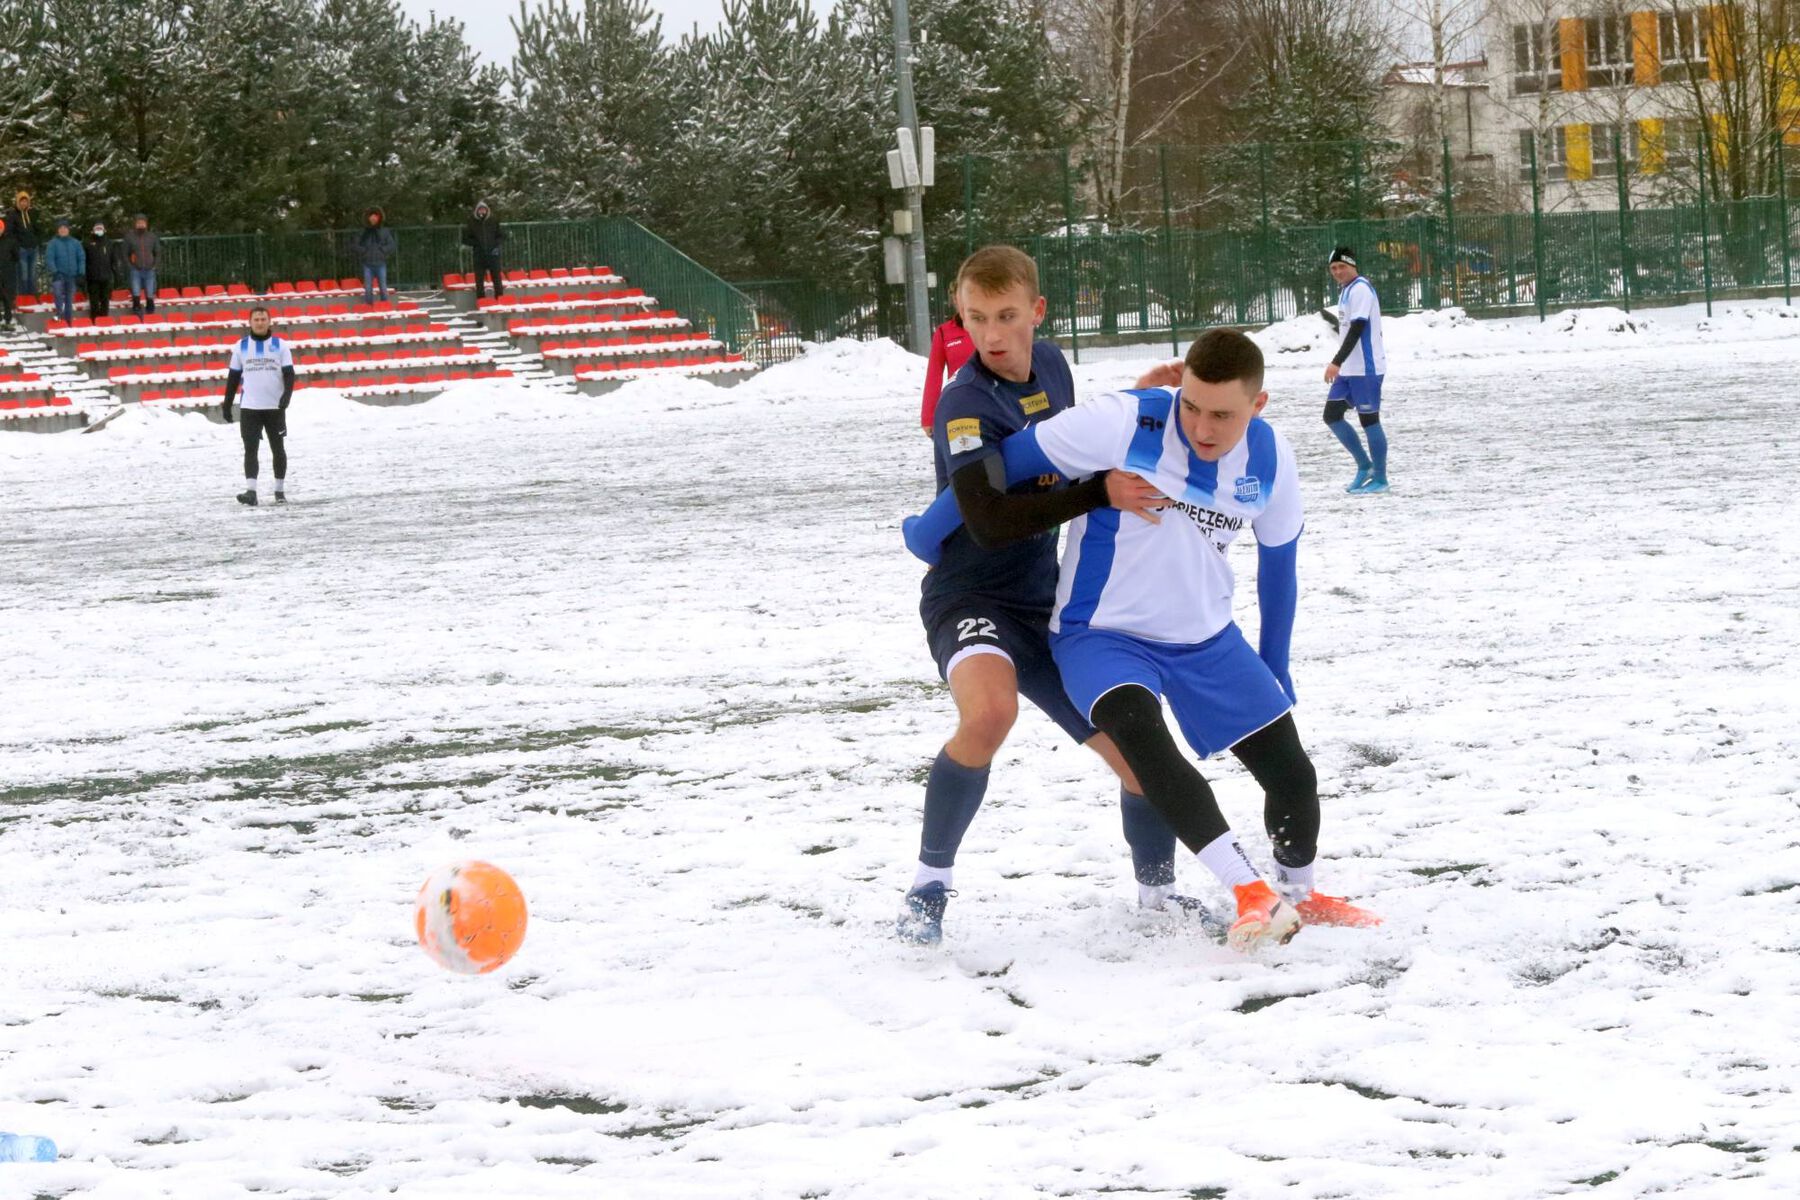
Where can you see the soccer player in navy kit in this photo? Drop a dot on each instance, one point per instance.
(986, 610)
(1144, 612)
(1356, 373)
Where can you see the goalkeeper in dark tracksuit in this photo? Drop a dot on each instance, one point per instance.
(262, 381)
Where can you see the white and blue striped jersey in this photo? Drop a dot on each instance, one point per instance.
(1356, 301)
(261, 363)
(1167, 582)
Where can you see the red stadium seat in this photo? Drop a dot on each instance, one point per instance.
(282, 289)
(192, 292)
(60, 402)
(305, 285)
(349, 285)
(9, 405)
(212, 289)
(237, 289)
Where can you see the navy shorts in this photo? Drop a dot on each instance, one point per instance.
(1219, 690)
(1361, 392)
(969, 627)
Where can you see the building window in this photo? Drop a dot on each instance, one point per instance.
(1681, 136)
(1609, 62)
(1537, 58)
(1600, 138)
(1684, 37)
(1553, 155)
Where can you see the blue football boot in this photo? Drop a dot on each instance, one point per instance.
(1363, 475)
(922, 918)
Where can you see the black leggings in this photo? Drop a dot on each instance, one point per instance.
(1132, 717)
(1335, 410)
(253, 423)
(486, 270)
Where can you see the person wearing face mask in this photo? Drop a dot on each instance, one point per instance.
(105, 265)
(262, 369)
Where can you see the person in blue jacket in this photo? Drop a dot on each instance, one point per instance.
(67, 263)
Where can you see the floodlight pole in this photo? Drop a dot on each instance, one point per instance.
(918, 320)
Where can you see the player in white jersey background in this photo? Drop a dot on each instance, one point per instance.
(1356, 373)
(1144, 611)
(262, 368)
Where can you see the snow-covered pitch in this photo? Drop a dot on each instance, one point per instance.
(657, 655)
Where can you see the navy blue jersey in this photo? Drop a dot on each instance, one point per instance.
(976, 412)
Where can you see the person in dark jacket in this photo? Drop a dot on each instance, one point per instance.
(24, 225)
(68, 266)
(374, 246)
(483, 235)
(105, 265)
(143, 250)
(9, 272)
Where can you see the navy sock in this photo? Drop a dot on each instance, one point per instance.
(1352, 443)
(1151, 838)
(1377, 449)
(952, 794)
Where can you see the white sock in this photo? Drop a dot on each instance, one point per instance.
(1294, 883)
(249, 485)
(1152, 895)
(280, 486)
(1227, 860)
(931, 875)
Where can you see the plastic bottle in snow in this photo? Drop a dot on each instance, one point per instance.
(23, 1147)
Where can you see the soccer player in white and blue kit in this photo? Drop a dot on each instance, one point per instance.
(261, 380)
(1356, 372)
(1144, 611)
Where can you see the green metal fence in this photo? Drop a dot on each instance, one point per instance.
(429, 252)
(1240, 236)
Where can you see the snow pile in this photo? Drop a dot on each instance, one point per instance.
(1586, 322)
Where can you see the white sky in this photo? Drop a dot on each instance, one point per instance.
(489, 28)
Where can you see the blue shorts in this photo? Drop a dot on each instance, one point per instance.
(973, 626)
(1219, 690)
(1361, 392)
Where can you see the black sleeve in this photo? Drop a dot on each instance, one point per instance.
(1351, 336)
(995, 519)
(287, 385)
(232, 380)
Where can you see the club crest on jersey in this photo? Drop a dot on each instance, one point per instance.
(1248, 490)
(1035, 403)
(963, 434)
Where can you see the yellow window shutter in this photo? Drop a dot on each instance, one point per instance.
(1653, 149)
(1579, 142)
(1573, 35)
(1646, 63)
(1721, 140)
(1721, 56)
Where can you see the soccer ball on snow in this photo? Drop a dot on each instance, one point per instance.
(470, 917)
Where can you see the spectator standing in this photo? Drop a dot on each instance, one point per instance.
(9, 272)
(105, 264)
(143, 251)
(23, 223)
(374, 246)
(483, 235)
(67, 263)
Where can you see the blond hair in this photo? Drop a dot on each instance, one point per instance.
(994, 269)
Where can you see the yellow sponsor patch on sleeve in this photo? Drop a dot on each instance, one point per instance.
(1037, 402)
(963, 434)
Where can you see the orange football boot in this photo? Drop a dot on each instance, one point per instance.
(1263, 919)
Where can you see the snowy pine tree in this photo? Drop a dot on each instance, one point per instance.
(592, 87)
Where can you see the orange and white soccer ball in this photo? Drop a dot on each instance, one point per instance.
(470, 917)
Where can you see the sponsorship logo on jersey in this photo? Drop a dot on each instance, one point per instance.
(1035, 403)
(1150, 423)
(1248, 489)
(1213, 523)
(963, 434)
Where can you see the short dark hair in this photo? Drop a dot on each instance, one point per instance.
(258, 308)
(1221, 354)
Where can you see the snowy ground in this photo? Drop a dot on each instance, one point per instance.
(657, 655)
